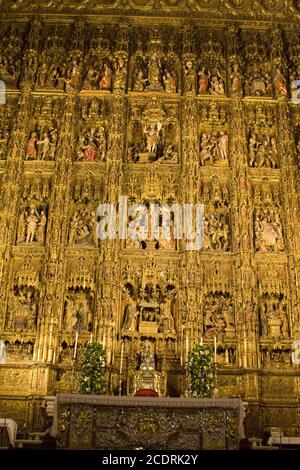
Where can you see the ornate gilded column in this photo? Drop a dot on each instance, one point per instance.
(246, 314)
(288, 177)
(191, 325)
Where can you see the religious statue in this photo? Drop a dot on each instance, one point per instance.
(169, 81)
(70, 318)
(280, 83)
(262, 151)
(190, 77)
(73, 74)
(147, 356)
(32, 221)
(154, 74)
(236, 81)
(24, 309)
(106, 79)
(82, 227)
(268, 230)
(120, 75)
(91, 79)
(41, 229)
(166, 320)
(216, 84)
(130, 314)
(92, 145)
(213, 147)
(139, 83)
(31, 152)
(203, 81)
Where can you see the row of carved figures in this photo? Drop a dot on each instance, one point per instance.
(267, 230)
(150, 74)
(152, 311)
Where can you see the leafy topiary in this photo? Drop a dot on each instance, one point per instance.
(93, 375)
(201, 371)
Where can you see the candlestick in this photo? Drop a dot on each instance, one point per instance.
(122, 354)
(75, 348)
(187, 347)
(245, 348)
(215, 349)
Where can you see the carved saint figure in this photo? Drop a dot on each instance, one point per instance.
(139, 83)
(31, 152)
(236, 81)
(189, 77)
(154, 73)
(120, 75)
(170, 82)
(130, 315)
(105, 81)
(280, 83)
(147, 356)
(32, 221)
(203, 81)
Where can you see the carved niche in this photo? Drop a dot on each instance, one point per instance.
(212, 64)
(92, 141)
(213, 134)
(85, 199)
(267, 218)
(11, 47)
(262, 137)
(217, 220)
(42, 138)
(155, 65)
(153, 132)
(33, 211)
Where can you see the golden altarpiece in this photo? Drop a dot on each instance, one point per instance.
(177, 101)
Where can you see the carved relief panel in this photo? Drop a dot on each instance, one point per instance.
(99, 65)
(33, 211)
(79, 297)
(7, 113)
(258, 69)
(211, 63)
(23, 299)
(213, 134)
(86, 195)
(262, 136)
(293, 54)
(273, 303)
(93, 130)
(267, 218)
(217, 221)
(218, 313)
(53, 61)
(153, 132)
(43, 129)
(154, 64)
(11, 40)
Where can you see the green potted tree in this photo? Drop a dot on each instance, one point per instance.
(201, 372)
(93, 375)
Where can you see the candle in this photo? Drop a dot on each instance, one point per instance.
(187, 347)
(122, 353)
(245, 348)
(76, 342)
(215, 349)
(91, 338)
(201, 341)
